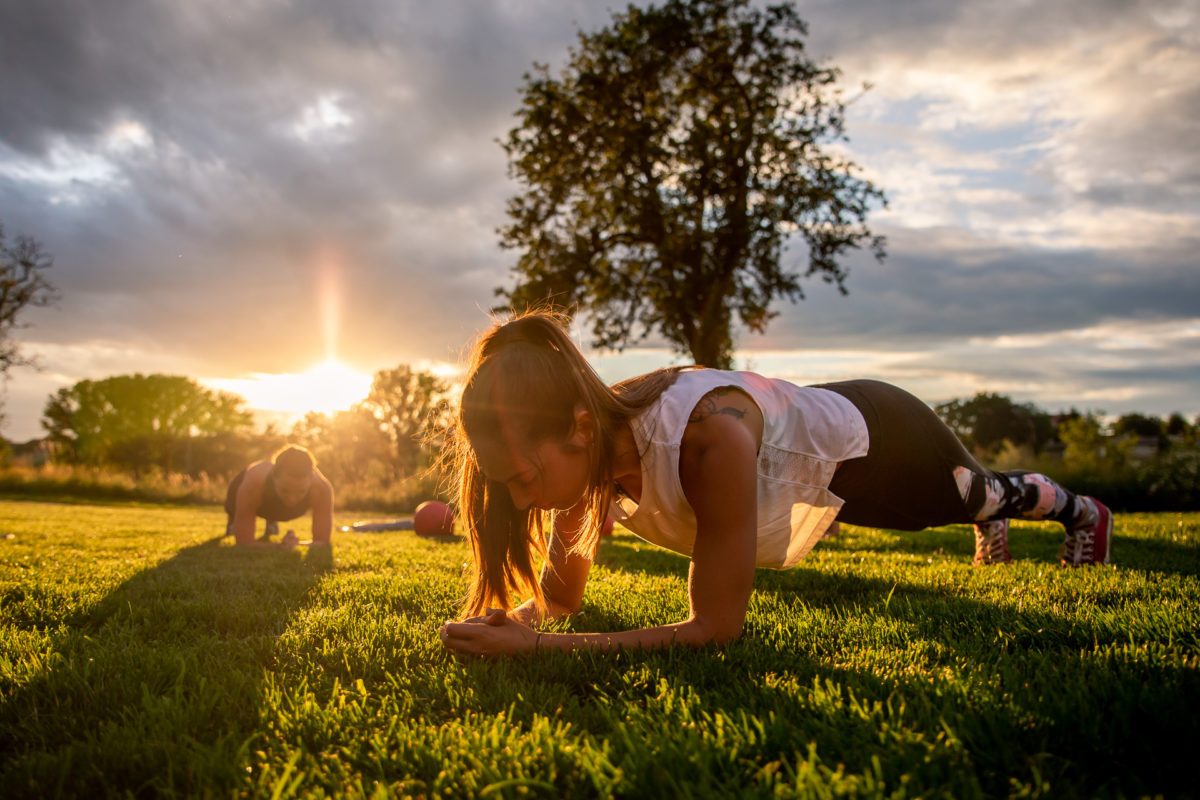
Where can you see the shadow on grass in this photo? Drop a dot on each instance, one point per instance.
(1082, 701)
(154, 690)
(1026, 544)
(1030, 543)
(633, 554)
(950, 694)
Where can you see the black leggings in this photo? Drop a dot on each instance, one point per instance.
(907, 480)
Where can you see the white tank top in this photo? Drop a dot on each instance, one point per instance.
(807, 432)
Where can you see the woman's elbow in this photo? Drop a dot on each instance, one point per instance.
(727, 634)
(556, 609)
(718, 632)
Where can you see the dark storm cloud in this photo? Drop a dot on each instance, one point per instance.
(1116, 77)
(194, 167)
(931, 289)
(223, 83)
(222, 80)
(197, 74)
(225, 197)
(219, 87)
(914, 28)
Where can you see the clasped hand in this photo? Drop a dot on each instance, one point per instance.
(492, 634)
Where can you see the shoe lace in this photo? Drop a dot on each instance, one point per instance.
(991, 545)
(1080, 544)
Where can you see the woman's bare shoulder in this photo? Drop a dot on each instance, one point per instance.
(321, 482)
(726, 401)
(724, 416)
(258, 471)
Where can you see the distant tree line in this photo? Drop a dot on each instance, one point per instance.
(171, 424)
(142, 422)
(1138, 462)
(168, 424)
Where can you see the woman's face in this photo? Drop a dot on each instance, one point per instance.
(548, 475)
(292, 488)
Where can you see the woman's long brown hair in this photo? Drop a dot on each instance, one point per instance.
(527, 374)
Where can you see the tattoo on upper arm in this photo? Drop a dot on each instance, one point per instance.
(717, 402)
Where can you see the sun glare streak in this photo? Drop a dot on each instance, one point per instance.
(329, 299)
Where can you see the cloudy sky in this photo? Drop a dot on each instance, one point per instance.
(241, 190)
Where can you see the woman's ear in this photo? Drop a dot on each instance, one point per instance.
(585, 427)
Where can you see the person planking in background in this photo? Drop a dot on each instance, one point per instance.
(287, 486)
(733, 469)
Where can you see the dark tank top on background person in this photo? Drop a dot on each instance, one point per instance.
(271, 508)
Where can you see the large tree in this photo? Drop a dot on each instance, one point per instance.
(667, 167)
(349, 446)
(23, 283)
(411, 407)
(136, 421)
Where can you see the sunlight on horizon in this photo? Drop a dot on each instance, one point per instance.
(327, 387)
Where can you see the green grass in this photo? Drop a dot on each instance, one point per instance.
(141, 656)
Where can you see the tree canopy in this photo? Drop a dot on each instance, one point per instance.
(987, 420)
(668, 166)
(409, 405)
(1139, 425)
(385, 436)
(136, 420)
(349, 446)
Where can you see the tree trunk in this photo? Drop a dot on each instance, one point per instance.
(710, 345)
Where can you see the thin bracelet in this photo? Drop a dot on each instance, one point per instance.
(537, 643)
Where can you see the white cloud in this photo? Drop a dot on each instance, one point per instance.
(1037, 126)
(74, 171)
(324, 120)
(1112, 336)
(67, 174)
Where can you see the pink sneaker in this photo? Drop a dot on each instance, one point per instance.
(991, 543)
(1090, 543)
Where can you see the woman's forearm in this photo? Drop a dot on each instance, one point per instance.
(692, 632)
(322, 526)
(322, 512)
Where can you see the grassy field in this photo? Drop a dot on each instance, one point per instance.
(142, 656)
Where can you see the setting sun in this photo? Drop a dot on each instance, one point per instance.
(327, 387)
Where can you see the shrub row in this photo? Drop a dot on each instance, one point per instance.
(63, 482)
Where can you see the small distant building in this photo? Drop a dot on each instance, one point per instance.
(1053, 449)
(34, 453)
(1144, 448)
